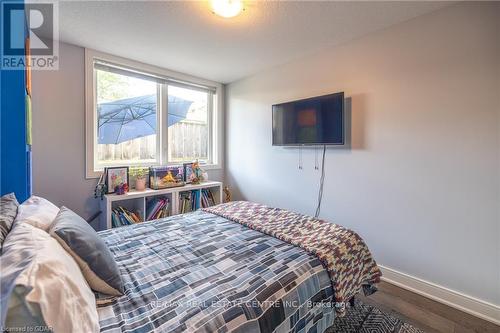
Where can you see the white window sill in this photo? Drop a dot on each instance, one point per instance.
(97, 174)
(211, 167)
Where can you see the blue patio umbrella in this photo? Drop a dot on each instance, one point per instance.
(135, 117)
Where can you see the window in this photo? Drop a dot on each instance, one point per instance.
(188, 125)
(126, 116)
(138, 114)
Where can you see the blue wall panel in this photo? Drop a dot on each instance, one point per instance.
(15, 154)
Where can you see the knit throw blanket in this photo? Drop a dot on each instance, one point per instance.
(343, 253)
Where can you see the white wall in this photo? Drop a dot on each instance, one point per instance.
(59, 135)
(421, 183)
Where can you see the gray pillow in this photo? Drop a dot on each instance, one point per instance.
(37, 273)
(89, 251)
(8, 213)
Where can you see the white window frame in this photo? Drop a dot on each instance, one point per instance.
(216, 110)
(210, 121)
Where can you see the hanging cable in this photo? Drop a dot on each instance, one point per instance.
(300, 158)
(321, 182)
(316, 165)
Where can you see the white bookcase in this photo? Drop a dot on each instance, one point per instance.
(136, 200)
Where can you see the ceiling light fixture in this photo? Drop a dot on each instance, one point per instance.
(227, 8)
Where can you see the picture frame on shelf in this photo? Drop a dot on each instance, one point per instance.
(188, 170)
(116, 176)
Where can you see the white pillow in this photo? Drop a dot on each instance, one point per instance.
(51, 281)
(38, 212)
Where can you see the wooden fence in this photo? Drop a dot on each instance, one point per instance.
(188, 140)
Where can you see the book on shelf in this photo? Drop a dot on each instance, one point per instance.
(188, 201)
(195, 200)
(121, 216)
(191, 201)
(157, 208)
(207, 198)
(185, 202)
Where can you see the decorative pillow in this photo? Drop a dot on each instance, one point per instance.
(8, 213)
(90, 252)
(42, 285)
(38, 212)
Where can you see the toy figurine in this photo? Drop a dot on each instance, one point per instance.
(101, 188)
(227, 194)
(197, 175)
(121, 189)
(169, 178)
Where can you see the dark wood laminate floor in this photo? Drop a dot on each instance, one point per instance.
(425, 313)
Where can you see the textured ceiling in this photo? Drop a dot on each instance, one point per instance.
(186, 37)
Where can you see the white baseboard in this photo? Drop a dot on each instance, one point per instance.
(457, 300)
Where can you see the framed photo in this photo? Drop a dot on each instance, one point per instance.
(116, 176)
(188, 170)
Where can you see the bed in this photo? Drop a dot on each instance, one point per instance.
(234, 267)
(210, 271)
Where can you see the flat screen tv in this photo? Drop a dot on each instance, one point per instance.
(311, 121)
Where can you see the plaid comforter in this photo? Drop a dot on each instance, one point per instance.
(342, 251)
(200, 272)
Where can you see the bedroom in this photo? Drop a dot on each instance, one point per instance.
(144, 90)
